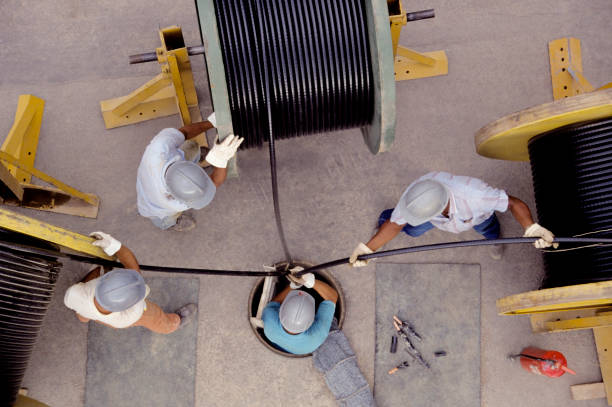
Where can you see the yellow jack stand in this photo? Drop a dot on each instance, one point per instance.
(170, 92)
(410, 64)
(565, 56)
(18, 153)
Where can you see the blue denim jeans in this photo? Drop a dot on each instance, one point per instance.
(489, 228)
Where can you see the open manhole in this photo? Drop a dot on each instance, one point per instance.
(281, 283)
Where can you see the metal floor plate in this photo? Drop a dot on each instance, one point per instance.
(442, 301)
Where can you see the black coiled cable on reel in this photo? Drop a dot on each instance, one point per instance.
(317, 56)
(572, 177)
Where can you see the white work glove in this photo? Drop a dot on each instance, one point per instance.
(359, 250)
(307, 280)
(212, 119)
(222, 152)
(546, 236)
(106, 242)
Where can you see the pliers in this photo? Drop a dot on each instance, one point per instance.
(407, 326)
(402, 365)
(412, 351)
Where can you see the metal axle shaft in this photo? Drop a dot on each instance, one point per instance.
(152, 56)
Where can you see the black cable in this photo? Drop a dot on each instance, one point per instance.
(452, 245)
(572, 178)
(264, 33)
(21, 249)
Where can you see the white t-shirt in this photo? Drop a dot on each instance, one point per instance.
(80, 298)
(472, 201)
(154, 198)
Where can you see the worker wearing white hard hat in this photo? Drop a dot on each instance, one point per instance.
(455, 204)
(118, 298)
(290, 319)
(171, 180)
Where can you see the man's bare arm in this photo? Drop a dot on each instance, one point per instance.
(385, 234)
(218, 176)
(194, 129)
(82, 318)
(326, 291)
(520, 211)
(280, 297)
(127, 258)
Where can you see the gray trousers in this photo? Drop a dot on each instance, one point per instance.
(337, 361)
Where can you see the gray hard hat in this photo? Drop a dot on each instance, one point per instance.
(423, 201)
(189, 183)
(297, 312)
(120, 289)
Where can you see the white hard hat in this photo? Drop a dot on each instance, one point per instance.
(297, 312)
(189, 183)
(423, 201)
(120, 289)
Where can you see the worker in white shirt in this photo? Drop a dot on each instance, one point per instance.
(118, 298)
(455, 204)
(170, 180)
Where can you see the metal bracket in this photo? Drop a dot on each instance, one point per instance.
(18, 153)
(170, 92)
(411, 64)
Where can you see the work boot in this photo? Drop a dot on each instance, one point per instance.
(496, 251)
(187, 313)
(184, 223)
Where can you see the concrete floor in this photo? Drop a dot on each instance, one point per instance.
(74, 54)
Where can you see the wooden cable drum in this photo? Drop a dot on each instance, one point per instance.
(569, 145)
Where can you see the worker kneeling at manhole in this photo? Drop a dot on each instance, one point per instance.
(290, 319)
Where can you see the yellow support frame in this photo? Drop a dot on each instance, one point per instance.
(170, 92)
(45, 231)
(17, 155)
(411, 64)
(565, 57)
(22, 140)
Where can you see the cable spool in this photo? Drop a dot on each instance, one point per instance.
(27, 282)
(329, 66)
(572, 178)
(569, 147)
(317, 55)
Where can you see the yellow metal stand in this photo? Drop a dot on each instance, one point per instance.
(25, 401)
(170, 92)
(18, 153)
(410, 64)
(45, 231)
(566, 68)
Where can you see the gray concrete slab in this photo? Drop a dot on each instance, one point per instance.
(442, 303)
(74, 54)
(125, 366)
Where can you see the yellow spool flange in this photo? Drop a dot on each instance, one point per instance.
(507, 138)
(575, 297)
